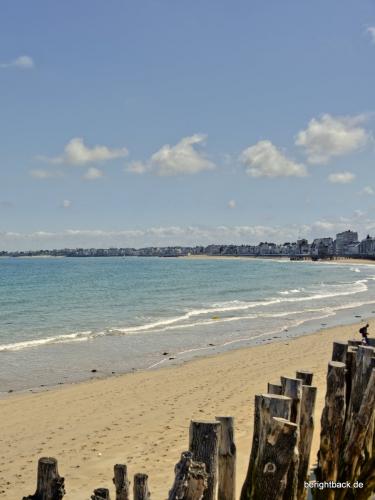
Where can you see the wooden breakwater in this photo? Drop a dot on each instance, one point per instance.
(279, 461)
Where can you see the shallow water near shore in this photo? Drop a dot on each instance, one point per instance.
(62, 318)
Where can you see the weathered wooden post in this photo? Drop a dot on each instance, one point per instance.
(276, 452)
(140, 487)
(227, 460)
(363, 368)
(190, 479)
(350, 372)
(50, 486)
(274, 388)
(332, 427)
(305, 437)
(266, 407)
(339, 351)
(292, 387)
(204, 444)
(354, 342)
(305, 376)
(101, 494)
(121, 482)
(354, 446)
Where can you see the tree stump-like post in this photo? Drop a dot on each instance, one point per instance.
(359, 429)
(190, 479)
(266, 407)
(305, 438)
(101, 494)
(50, 486)
(140, 487)
(121, 482)
(276, 452)
(354, 342)
(305, 376)
(350, 372)
(273, 389)
(204, 444)
(339, 351)
(292, 387)
(332, 427)
(363, 368)
(227, 460)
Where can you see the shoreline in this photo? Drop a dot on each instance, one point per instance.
(92, 425)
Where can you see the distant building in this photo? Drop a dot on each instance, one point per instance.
(367, 247)
(344, 242)
(322, 248)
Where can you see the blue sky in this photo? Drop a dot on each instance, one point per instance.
(162, 122)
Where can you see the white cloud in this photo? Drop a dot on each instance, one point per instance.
(77, 153)
(66, 204)
(232, 204)
(266, 160)
(22, 62)
(93, 174)
(368, 190)
(341, 178)
(329, 136)
(371, 31)
(45, 174)
(183, 158)
(137, 167)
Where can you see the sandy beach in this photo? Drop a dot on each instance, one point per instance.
(142, 419)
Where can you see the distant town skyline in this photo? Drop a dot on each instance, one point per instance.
(133, 124)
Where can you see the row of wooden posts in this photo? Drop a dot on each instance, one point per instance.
(279, 461)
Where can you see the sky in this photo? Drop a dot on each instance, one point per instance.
(164, 122)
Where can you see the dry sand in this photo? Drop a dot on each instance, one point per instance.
(142, 419)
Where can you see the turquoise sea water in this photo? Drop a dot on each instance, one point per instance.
(60, 318)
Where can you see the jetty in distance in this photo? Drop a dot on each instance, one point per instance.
(345, 245)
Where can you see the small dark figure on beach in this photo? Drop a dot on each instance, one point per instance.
(364, 333)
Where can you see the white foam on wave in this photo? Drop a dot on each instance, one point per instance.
(289, 292)
(58, 339)
(182, 321)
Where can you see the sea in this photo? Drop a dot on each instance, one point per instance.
(64, 320)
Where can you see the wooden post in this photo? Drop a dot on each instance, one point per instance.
(292, 387)
(332, 426)
(50, 486)
(227, 460)
(273, 388)
(359, 429)
(339, 351)
(305, 376)
(121, 482)
(354, 342)
(204, 444)
(266, 407)
(190, 479)
(363, 368)
(305, 438)
(140, 487)
(276, 452)
(349, 376)
(101, 494)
